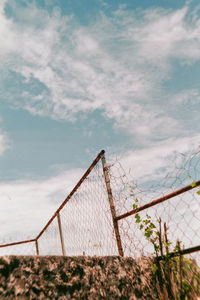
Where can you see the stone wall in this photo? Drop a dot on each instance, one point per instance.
(57, 277)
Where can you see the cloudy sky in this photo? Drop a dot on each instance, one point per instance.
(78, 76)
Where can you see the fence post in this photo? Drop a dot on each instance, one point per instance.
(36, 246)
(112, 206)
(61, 234)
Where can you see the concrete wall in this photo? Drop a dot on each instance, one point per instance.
(57, 277)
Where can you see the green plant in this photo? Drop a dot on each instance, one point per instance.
(176, 277)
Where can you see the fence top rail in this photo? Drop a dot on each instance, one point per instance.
(159, 200)
(95, 161)
(17, 243)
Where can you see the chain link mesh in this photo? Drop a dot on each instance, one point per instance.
(180, 213)
(86, 219)
(49, 242)
(86, 223)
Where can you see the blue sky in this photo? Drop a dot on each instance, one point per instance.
(80, 76)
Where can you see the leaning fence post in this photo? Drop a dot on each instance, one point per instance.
(36, 247)
(112, 206)
(61, 234)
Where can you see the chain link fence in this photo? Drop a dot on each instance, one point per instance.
(178, 207)
(161, 218)
(82, 225)
(108, 214)
(85, 221)
(97, 217)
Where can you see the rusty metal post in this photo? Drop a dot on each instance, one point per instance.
(112, 206)
(36, 247)
(61, 234)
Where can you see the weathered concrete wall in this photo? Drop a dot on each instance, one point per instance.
(57, 277)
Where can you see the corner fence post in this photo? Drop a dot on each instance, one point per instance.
(61, 234)
(36, 247)
(112, 206)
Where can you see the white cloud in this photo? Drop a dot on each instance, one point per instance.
(4, 140)
(187, 97)
(27, 205)
(157, 160)
(165, 34)
(116, 64)
(4, 143)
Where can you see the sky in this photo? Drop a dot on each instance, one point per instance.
(79, 76)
